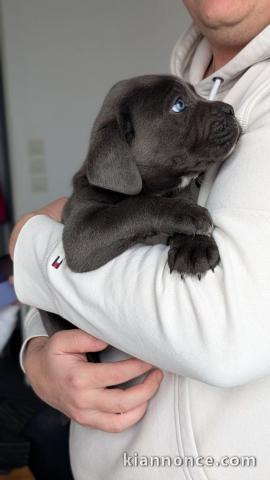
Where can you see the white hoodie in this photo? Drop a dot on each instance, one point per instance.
(211, 337)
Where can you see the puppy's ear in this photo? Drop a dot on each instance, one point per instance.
(110, 163)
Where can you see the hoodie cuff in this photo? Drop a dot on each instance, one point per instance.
(35, 245)
(32, 328)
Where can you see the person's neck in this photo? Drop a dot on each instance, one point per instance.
(219, 58)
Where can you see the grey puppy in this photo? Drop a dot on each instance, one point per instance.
(151, 137)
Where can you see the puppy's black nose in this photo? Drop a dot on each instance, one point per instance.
(222, 107)
(226, 108)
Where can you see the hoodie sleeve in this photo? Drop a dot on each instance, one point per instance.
(32, 328)
(216, 330)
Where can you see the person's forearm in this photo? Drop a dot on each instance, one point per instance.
(212, 330)
(216, 330)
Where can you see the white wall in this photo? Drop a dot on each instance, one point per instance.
(60, 58)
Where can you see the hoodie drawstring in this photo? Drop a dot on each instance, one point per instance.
(217, 81)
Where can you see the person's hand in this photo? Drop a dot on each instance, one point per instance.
(53, 210)
(61, 376)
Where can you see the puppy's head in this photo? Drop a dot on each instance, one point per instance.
(154, 132)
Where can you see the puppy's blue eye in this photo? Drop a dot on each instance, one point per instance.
(179, 106)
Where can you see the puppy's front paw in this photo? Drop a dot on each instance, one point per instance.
(192, 220)
(192, 255)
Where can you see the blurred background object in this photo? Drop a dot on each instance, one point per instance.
(58, 59)
(18, 474)
(8, 319)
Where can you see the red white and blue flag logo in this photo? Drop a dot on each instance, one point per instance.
(57, 262)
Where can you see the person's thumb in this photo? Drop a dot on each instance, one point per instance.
(77, 341)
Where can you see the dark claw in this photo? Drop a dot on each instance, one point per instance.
(213, 270)
(182, 276)
(199, 276)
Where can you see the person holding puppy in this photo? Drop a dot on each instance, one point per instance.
(210, 338)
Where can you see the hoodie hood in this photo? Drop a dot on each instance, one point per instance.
(192, 55)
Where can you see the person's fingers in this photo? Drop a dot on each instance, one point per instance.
(117, 400)
(53, 209)
(76, 341)
(16, 231)
(111, 422)
(107, 374)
